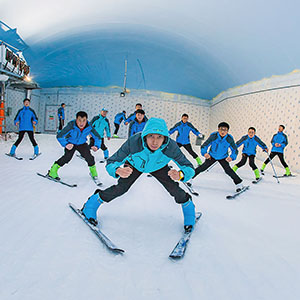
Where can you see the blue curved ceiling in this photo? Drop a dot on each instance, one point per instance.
(193, 48)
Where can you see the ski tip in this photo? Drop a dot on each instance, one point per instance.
(198, 214)
(175, 257)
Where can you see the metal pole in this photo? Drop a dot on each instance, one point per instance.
(273, 167)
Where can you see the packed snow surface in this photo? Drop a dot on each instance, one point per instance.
(247, 248)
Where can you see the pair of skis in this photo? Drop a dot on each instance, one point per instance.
(189, 186)
(34, 156)
(58, 180)
(177, 253)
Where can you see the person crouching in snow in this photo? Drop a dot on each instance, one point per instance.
(148, 151)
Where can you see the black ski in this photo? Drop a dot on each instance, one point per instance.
(284, 176)
(56, 180)
(179, 250)
(102, 237)
(189, 186)
(244, 189)
(257, 180)
(34, 156)
(14, 156)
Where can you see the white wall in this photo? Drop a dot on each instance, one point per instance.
(156, 104)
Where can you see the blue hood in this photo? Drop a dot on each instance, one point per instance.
(156, 126)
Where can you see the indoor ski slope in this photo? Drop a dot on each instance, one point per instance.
(242, 249)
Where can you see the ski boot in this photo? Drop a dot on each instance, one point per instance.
(188, 209)
(89, 209)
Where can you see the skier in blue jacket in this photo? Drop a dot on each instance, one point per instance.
(183, 136)
(147, 152)
(131, 117)
(118, 120)
(74, 137)
(101, 123)
(250, 142)
(279, 142)
(61, 116)
(138, 124)
(219, 143)
(25, 119)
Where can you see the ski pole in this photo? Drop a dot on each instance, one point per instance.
(276, 176)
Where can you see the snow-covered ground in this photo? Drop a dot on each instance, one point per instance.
(247, 248)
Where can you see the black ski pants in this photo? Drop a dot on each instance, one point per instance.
(83, 149)
(61, 124)
(92, 143)
(21, 135)
(244, 160)
(161, 175)
(117, 126)
(188, 148)
(281, 158)
(225, 165)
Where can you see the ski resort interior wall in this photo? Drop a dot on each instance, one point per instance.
(156, 104)
(264, 105)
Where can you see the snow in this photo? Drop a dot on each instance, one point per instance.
(247, 248)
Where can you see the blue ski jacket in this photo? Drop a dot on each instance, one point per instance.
(280, 138)
(219, 146)
(184, 129)
(71, 134)
(132, 117)
(250, 144)
(135, 127)
(137, 153)
(119, 118)
(25, 116)
(101, 123)
(61, 113)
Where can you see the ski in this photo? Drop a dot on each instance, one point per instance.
(244, 189)
(284, 176)
(189, 186)
(257, 180)
(34, 156)
(179, 250)
(14, 156)
(102, 237)
(96, 180)
(56, 180)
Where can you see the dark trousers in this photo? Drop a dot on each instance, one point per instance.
(61, 124)
(244, 160)
(225, 165)
(188, 148)
(117, 126)
(84, 151)
(92, 143)
(21, 135)
(161, 175)
(281, 158)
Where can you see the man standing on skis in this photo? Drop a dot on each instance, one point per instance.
(219, 142)
(73, 137)
(147, 152)
(279, 142)
(25, 119)
(101, 123)
(250, 142)
(183, 136)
